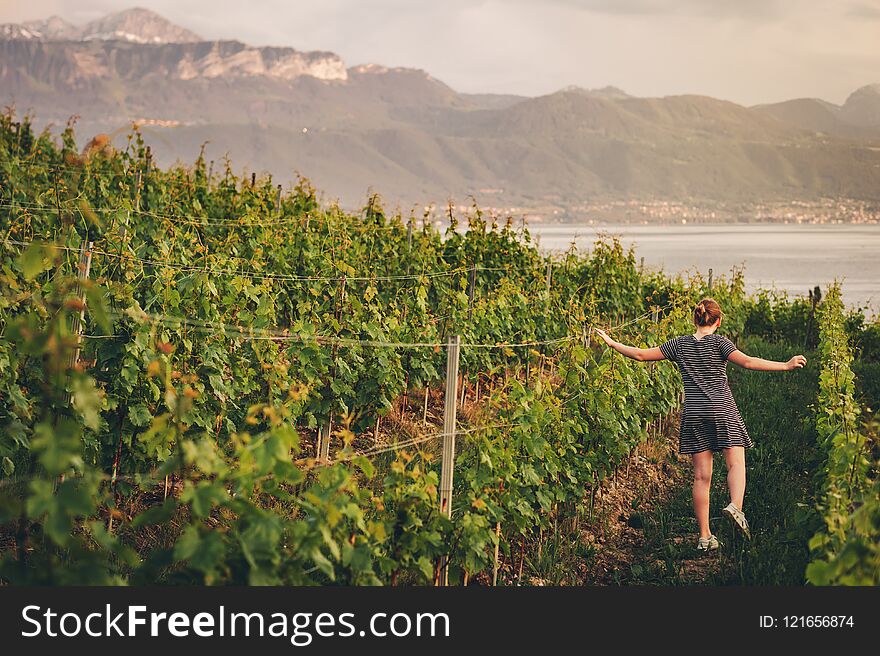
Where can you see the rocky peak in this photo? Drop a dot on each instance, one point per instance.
(139, 26)
(234, 59)
(163, 49)
(134, 25)
(53, 27)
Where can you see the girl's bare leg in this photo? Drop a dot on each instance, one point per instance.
(735, 459)
(702, 480)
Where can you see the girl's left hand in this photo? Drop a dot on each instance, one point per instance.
(601, 333)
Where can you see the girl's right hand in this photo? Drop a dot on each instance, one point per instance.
(797, 362)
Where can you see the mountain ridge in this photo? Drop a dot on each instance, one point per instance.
(136, 24)
(403, 132)
(858, 116)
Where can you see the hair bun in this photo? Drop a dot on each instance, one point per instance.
(707, 312)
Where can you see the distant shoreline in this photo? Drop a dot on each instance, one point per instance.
(789, 258)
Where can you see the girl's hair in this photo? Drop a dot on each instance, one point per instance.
(707, 312)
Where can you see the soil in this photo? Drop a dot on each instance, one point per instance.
(636, 529)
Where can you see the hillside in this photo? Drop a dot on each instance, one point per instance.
(857, 118)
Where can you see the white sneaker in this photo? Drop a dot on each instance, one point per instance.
(739, 520)
(708, 544)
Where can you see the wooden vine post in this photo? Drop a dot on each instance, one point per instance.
(815, 296)
(472, 287)
(710, 281)
(655, 317)
(497, 562)
(137, 191)
(83, 268)
(322, 448)
(57, 197)
(425, 409)
(448, 461)
(324, 440)
(496, 565)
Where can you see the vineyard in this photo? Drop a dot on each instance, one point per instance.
(847, 548)
(213, 379)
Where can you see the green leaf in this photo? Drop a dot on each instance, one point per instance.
(139, 414)
(323, 564)
(156, 515)
(33, 261)
(87, 400)
(75, 498)
(209, 553)
(98, 308)
(259, 542)
(58, 526)
(426, 567)
(41, 499)
(59, 446)
(187, 543)
(204, 455)
(203, 495)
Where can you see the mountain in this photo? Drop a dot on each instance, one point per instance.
(863, 107)
(54, 27)
(136, 25)
(857, 118)
(402, 132)
(609, 93)
(139, 26)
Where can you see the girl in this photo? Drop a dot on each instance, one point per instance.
(710, 420)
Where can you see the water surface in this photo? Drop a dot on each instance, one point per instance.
(790, 257)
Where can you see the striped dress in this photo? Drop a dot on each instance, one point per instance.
(710, 420)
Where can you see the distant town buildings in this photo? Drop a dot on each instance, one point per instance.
(813, 212)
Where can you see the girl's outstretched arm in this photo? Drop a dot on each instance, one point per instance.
(760, 364)
(640, 354)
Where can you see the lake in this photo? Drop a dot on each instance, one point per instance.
(788, 257)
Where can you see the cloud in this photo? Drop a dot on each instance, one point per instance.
(742, 9)
(864, 10)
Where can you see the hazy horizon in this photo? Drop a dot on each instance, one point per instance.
(749, 52)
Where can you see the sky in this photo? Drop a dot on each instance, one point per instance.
(747, 51)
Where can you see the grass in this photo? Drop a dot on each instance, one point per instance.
(778, 410)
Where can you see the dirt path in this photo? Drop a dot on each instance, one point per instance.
(642, 528)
